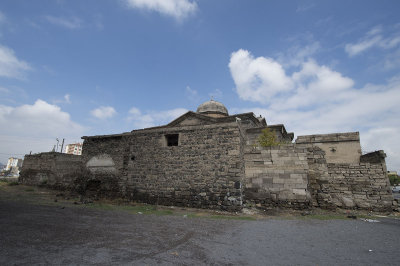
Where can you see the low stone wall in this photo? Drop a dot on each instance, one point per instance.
(364, 185)
(277, 176)
(298, 176)
(57, 170)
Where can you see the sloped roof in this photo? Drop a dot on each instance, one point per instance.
(212, 120)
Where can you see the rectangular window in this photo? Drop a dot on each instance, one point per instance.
(172, 139)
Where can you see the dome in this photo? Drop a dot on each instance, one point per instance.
(212, 108)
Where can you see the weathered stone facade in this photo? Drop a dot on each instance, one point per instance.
(57, 170)
(209, 159)
(204, 170)
(338, 147)
(364, 185)
(277, 176)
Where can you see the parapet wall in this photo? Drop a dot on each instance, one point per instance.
(338, 147)
(334, 137)
(53, 169)
(376, 157)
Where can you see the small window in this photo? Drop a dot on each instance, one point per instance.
(172, 139)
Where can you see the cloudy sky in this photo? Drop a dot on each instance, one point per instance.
(74, 68)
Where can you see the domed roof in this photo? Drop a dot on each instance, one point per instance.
(213, 108)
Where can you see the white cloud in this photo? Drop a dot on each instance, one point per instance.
(296, 55)
(178, 9)
(67, 98)
(383, 138)
(263, 79)
(313, 84)
(69, 23)
(373, 38)
(153, 118)
(356, 48)
(391, 60)
(41, 118)
(321, 100)
(134, 112)
(10, 65)
(34, 128)
(257, 79)
(103, 112)
(191, 94)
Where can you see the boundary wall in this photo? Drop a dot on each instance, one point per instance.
(298, 176)
(56, 170)
(211, 168)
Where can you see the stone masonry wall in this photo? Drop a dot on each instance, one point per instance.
(364, 185)
(318, 178)
(338, 147)
(57, 170)
(277, 176)
(105, 158)
(212, 168)
(297, 176)
(205, 170)
(360, 185)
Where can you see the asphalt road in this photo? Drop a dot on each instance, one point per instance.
(396, 195)
(50, 235)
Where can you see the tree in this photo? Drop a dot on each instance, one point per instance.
(267, 138)
(394, 179)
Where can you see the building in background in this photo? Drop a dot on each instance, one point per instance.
(13, 162)
(13, 167)
(74, 148)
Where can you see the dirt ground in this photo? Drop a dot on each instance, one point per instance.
(40, 226)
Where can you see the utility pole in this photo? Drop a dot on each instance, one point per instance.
(57, 144)
(62, 146)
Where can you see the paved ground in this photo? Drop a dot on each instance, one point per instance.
(39, 234)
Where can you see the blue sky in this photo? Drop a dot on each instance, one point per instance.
(74, 68)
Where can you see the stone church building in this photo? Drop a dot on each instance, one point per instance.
(210, 159)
